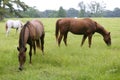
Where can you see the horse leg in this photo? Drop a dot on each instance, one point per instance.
(65, 38)
(42, 43)
(83, 40)
(89, 40)
(59, 39)
(30, 52)
(19, 29)
(34, 47)
(7, 32)
(16, 30)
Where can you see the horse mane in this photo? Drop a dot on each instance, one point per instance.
(26, 23)
(100, 29)
(21, 39)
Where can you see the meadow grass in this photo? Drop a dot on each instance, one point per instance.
(73, 62)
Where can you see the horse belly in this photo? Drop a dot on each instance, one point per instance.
(16, 25)
(9, 24)
(78, 30)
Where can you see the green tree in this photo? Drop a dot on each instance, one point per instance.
(31, 12)
(72, 12)
(96, 8)
(11, 7)
(82, 9)
(61, 12)
(49, 14)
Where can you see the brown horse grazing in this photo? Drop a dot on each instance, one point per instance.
(86, 27)
(32, 33)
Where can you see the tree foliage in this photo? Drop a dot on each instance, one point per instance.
(96, 8)
(11, 7)
(31, 12)
(82, 9)
(93, 9)
(16, 8)
(61, 12)
(72, 12)
(114, 13)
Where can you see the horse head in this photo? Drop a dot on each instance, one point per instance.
(107, 39)
(21, 57)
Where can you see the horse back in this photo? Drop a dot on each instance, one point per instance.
(9, 23)
(38, 26)
(78, 26)
(14, 24)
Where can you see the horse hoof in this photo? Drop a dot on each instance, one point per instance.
(20, 69)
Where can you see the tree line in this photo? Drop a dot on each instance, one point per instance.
(92, 9)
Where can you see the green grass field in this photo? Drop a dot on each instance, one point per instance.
(73, 62)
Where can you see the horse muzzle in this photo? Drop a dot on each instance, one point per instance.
(109, 44)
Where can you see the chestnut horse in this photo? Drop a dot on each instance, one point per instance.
(86, 27)
(33, 34)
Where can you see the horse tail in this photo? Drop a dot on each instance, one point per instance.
(57, 29)
(41, 45)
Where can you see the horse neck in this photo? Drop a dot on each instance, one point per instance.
(32, 30)
(101, 30)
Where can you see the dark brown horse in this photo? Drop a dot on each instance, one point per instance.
(33, 34)
(86, 27)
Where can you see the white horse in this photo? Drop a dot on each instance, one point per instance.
(15, 24)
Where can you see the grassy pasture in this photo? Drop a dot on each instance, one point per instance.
(73, 62)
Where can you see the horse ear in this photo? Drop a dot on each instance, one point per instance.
(18, 49)
(109, 33)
